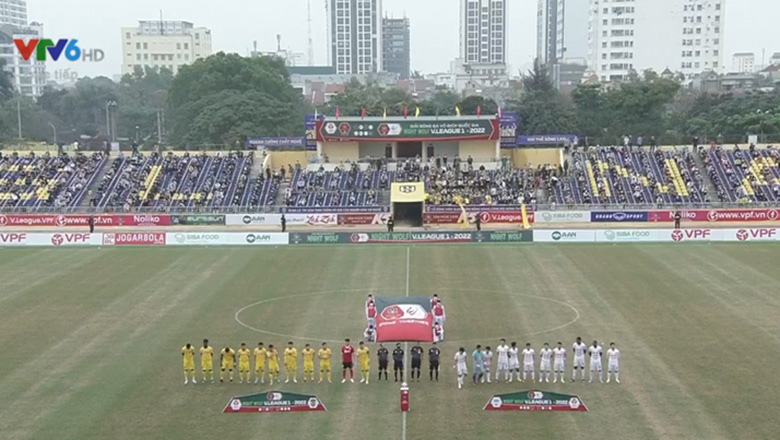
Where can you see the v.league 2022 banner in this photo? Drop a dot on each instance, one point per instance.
(404, 319)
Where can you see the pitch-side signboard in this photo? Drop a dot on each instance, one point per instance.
(535, 401)
(274, 402)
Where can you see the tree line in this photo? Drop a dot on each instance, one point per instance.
(219, 101)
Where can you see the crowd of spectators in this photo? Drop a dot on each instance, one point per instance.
(46, 180)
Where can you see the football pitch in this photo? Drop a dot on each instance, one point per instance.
(91, 338)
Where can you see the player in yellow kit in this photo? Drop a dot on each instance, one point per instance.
(206, 360)
(324, 354)
(227, 358)
(260, 355)
(273, 364)
(290, 363)
(244, 356)
(364, 355)
(308, 363)
(188, 355)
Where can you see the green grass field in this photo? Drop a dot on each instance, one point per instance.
(90, 338)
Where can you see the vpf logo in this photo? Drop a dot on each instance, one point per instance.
(273, 396)
(677, 235)
(57, 239)
(742, 235)
(64, 47)
(535, 395)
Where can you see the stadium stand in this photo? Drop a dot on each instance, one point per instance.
(599, 176)
(60, 181)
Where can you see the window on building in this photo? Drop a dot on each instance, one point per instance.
(127, 35)
(178, 46)
(186, 46)
(146, 46)
(138, 46)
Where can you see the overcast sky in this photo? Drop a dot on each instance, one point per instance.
(751, 25)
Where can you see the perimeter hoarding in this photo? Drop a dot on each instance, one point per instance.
(535, 401)
(562, 217)
(417, 129)
(274, 402)
(718, 215)
(404, 319)
(71, 220)
(198, 220)
(410, 237)
(324, 219)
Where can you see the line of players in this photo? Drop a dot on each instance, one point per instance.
(266, 360)
(550, 360)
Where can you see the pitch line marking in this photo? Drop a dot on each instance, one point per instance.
(406, 344)
(330, 292)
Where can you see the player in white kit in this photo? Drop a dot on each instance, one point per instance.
(595, 352)
(545, 354)
(559, 365)
(503, 360)
(460, 366)
(487, 362)
(579, 349)
(514, 363)
(529, 358)
(613, 365)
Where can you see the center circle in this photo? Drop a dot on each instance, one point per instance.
(575, 314)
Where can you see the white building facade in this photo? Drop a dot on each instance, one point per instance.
(743, 62)
(356, 36)
(684, 36)
(13, 12)
(158, 44)
(28, 77)
(483, 31)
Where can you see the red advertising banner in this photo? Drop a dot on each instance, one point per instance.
(67, 220)
(134, 239)
(718, 215)
(363, 219)
(443, 218)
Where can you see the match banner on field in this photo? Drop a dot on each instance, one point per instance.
(274, 401)
(404, 319)
(535, 401)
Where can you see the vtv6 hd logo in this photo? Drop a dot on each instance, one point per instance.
(64, 47)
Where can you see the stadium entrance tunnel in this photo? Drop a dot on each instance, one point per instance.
(408, 214)
(409, 150)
